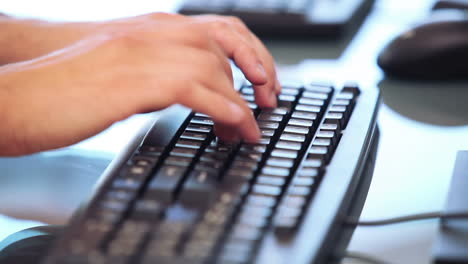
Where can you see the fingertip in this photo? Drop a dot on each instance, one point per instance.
(277, 87)
(236, 112)
(261, 72)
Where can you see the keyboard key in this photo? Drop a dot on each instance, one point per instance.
(292, 137)
(268, 125)
(314, 163)
(269, 180)
(281, 153)
(193, 136)
(299, 191)
(308, 172)
(261, 200)
(280, 162)
(251, 165)
(304, 181)
(198, 188)
(267, 132)
(285, 144)
(146, 210)
(352, 88)
(311, 101)
(300, 122)
(245, 232)
(266, 190)
(199, 128)
(249, 98)
(289, 91)
(275, 171)
(247, 90)
(318, 152)
(277, 111)
(288, 98)
(254, 148)
(314, 95)
(183, 152)
(150, 150)
(329, 126)
(178, 161)
(202, 121)
(304, 115)
(296, 129)
(342, 102)
(126, 184)
(270, 117)
(184, 143)
(308, 108)
(163, 185)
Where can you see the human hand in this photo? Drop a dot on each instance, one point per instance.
(131, 66)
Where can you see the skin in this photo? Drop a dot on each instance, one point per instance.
(63, 82)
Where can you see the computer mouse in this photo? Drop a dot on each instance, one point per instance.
(434, 50)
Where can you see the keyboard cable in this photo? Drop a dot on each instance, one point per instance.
(406, 218)
(394, 220)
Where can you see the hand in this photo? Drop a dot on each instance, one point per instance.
(131, 66)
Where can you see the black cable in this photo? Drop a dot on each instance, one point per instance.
(407, 218)
(364, 257)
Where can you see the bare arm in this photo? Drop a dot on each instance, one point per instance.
(24, 39)
(66, 82)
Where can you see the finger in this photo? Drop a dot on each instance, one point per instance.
(227, 133)
(271, 88)
(222, 85)
(220, 108)
(242, 52)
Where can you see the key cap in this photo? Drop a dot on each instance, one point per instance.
(266, 190)
(304, 115)
(280, 153)
(270, 117)
(315, 95)
(308, 108)
(286, 144)
(198, 190)
(292, 137)
(275, 171)
(269, 180)
(193, 136)
(163, 185)
(280, 162)
(268, 125)
(300, 122)
(296, 129)
(311, 101)
(202, 121)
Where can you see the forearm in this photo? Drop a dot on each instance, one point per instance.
(24, 39)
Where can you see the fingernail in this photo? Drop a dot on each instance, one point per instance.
(236, 110)
(278, 87)
(261, 71)
(255, 137)
(273, 99)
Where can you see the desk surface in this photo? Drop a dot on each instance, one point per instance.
(422, 127)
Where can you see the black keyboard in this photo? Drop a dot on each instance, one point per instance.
(288, 18)
(179, 195)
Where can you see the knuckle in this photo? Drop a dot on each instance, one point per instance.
(220, 25)
(125, 39)
(235, 20)
(162, 15)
